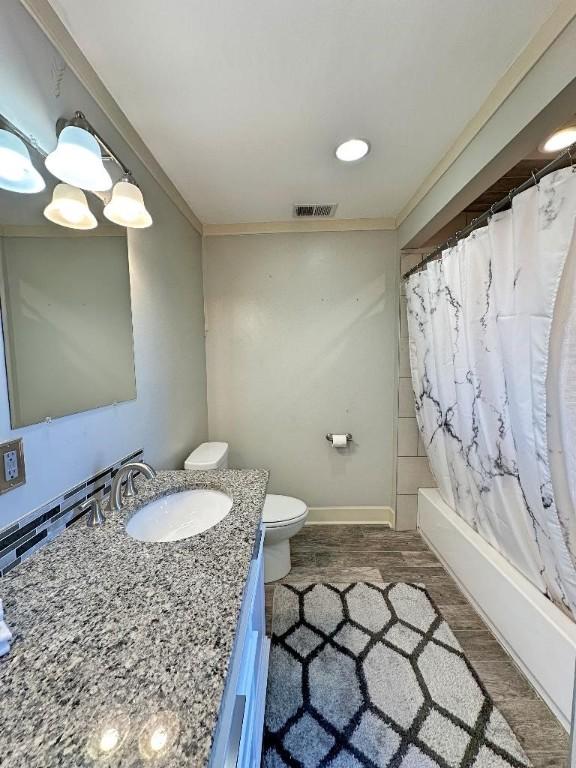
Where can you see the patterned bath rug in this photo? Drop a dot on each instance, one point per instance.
(369, 675)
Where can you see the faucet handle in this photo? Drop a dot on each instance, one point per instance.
(95, 516)
(130, 490)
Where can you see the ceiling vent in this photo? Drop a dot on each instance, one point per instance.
(314, 210)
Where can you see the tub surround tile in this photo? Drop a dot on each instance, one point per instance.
(102, 622)
(408, 436)
(405, 398)
(413, 473)
(407, 512)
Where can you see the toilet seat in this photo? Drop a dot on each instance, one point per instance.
(282, 510)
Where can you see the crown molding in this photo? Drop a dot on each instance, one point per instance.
(309, 225)
(520, 67)
(49, 21)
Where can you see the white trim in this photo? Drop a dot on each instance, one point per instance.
(520, 67)
(351, 516)
(49, 21)
(299, 225)
(539, 637)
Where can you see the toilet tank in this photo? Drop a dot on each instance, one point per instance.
(208, 456)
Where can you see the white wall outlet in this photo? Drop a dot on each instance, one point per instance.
(10, 465)
(12, 470)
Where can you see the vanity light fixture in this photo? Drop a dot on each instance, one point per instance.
(77, 160)
(560, 139)
(69, 208)
(126, 206)
(17, 174)
(352, 150)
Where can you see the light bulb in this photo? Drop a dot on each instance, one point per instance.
(126, 206)
(72, 211)
(69, 208)
(77, 160)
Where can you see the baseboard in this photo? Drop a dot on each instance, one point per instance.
(351, 516)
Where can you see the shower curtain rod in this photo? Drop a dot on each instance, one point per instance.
(534, 179)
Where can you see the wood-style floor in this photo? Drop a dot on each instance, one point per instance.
(334, 553)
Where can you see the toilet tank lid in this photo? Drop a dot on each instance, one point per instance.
(207, 456)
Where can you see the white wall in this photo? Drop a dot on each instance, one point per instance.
(541, 101)
(170, 413)
(302, 339)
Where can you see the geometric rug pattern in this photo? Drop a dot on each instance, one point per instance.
(369, 675)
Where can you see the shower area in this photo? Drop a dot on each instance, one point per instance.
(492, 346)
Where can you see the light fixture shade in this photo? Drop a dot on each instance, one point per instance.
(126, 207)
(560, 139)
(352, 150)
(77, 160)
(17, 174)
(69, 208)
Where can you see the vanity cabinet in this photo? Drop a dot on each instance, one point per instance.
(238, 737)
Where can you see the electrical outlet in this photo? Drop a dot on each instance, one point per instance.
(12, 470)
(10, 465)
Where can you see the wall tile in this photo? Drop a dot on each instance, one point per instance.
(413, 473)
(408, 437)
(406, 512)
(404, 359)
(421, 448)
(405, 398)
(403, 317)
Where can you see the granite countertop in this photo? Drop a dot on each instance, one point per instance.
(105, 625)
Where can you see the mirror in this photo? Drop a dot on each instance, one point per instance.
(66, 310)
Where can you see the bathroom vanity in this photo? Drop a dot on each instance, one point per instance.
(128, 651)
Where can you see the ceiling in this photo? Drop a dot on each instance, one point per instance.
(243, 102)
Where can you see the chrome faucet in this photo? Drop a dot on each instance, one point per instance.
(128, 469)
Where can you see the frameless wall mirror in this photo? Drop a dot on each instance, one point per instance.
(65, 296)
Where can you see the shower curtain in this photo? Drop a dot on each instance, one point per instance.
(480, 321)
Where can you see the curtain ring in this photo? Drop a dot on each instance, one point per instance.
(571, 160)
(492, 210)
(535, 179)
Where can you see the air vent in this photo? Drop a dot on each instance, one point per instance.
(315, 210)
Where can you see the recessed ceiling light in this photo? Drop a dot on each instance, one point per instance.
(560, 139)
(353, 149)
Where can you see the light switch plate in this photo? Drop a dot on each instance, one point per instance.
(12, 468)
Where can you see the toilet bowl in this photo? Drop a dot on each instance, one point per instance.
(282, 516)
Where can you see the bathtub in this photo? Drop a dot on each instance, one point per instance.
(539, 637)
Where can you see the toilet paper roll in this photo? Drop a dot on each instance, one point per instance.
(339, 441)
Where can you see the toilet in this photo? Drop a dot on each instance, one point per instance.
(282, 516)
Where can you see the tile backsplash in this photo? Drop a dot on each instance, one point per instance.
(29, 534)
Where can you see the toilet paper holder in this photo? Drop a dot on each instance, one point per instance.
(331, 434)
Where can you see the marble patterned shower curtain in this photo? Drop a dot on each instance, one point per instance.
(479, 323)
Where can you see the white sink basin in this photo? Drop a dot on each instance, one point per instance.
(179, 515)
